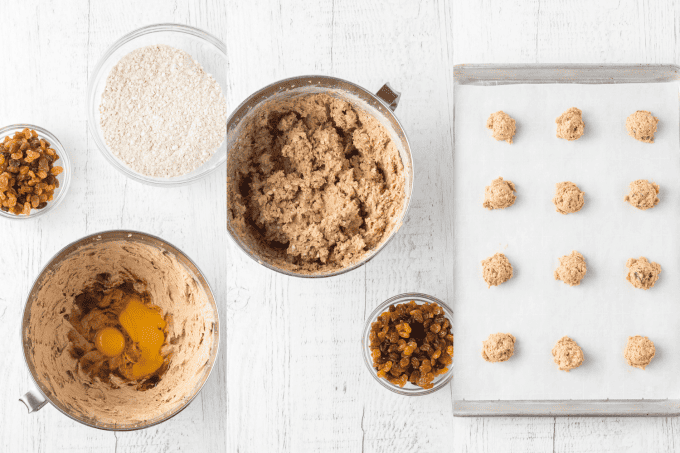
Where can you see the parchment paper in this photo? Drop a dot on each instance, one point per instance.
(538, 310)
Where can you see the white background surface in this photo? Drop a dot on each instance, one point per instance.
(274, 398)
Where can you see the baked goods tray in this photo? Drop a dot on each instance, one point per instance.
(604, 310)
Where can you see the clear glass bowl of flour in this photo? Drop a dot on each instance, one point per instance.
(204, 48)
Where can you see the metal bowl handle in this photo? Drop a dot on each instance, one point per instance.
(389, 95)
(34, 400)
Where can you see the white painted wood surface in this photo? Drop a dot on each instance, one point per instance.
(297, 382)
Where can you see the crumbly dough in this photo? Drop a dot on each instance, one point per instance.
(567, 354)
(568, 198)
(499, 195)
(642, 273)
(499, 347)
(572, 269)
(496, 270)
(171, 287)
(502, 126)
(643, 194)
(641, 125)
(314, 183)
(639, 351)
(570, 124)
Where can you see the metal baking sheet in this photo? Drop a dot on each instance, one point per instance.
(605, 309)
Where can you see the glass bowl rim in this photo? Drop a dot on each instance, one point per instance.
(91, 107)
(420, 298)
(65, 163)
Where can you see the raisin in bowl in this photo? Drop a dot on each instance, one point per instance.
(410, 341)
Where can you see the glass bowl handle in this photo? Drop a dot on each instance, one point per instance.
(34, 400)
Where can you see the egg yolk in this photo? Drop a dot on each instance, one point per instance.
(109, 341)
(145, 327)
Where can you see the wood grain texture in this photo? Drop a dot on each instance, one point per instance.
(49, 49)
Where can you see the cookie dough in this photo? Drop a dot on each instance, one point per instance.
(639, 351)
(641, 125)
(499, 347)
(568, 198)
(642, 273)
(570, 124)
(572, 269)
(496, 270)
(643, 194)
(314, 183)
(499, 195)
(502, 126)
(567, 354)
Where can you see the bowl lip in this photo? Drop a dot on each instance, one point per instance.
(64, 184)
(89, 239)
(409, 195)
(91, 107)
(420, 298)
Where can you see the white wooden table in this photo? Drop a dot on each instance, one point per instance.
(290, 377)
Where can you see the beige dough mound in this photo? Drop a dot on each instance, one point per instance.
(641, 125)
(496, 270)
(567, 354)
(570, 124)
(499, 347)
(639, 351)
(572, 269)
(642, 273)
(643, 194)
(499, 195)
(502, 126)
(568, 198)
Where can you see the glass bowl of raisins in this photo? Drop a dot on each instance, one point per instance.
(35, 171)
(408, 344)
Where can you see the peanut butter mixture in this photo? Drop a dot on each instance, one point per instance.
(314, 183)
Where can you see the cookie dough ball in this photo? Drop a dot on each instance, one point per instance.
(643, 194)
(502, 126)
(499, 347)
(572, 269)
(570, 124)
(496, 270)
(639, 351)
(641, 125)
(567, 354)
(642, 273)
(499, 195)
(568, 198)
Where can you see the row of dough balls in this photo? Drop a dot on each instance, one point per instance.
(641, 125)
(499, 347)
(568, 197)
(642, 273)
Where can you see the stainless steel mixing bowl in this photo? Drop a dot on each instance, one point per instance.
(380, 105)
(37, 398)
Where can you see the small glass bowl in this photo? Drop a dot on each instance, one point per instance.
(207, 50)
(408, 389)
(64, 178)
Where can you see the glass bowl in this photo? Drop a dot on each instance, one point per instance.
(64, 178)
(408, 389)
(206, 49)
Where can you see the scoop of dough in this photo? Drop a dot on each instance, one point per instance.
(570, 124)
(568, 198)
(639, 351)
(572, 269)
(499, 195)
(641, 125)
(499, 347)
(567, 354)
(643, 194)
(496, 270)
(502, 126)
(642, 273)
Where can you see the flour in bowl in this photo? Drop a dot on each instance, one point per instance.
(161, 113)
